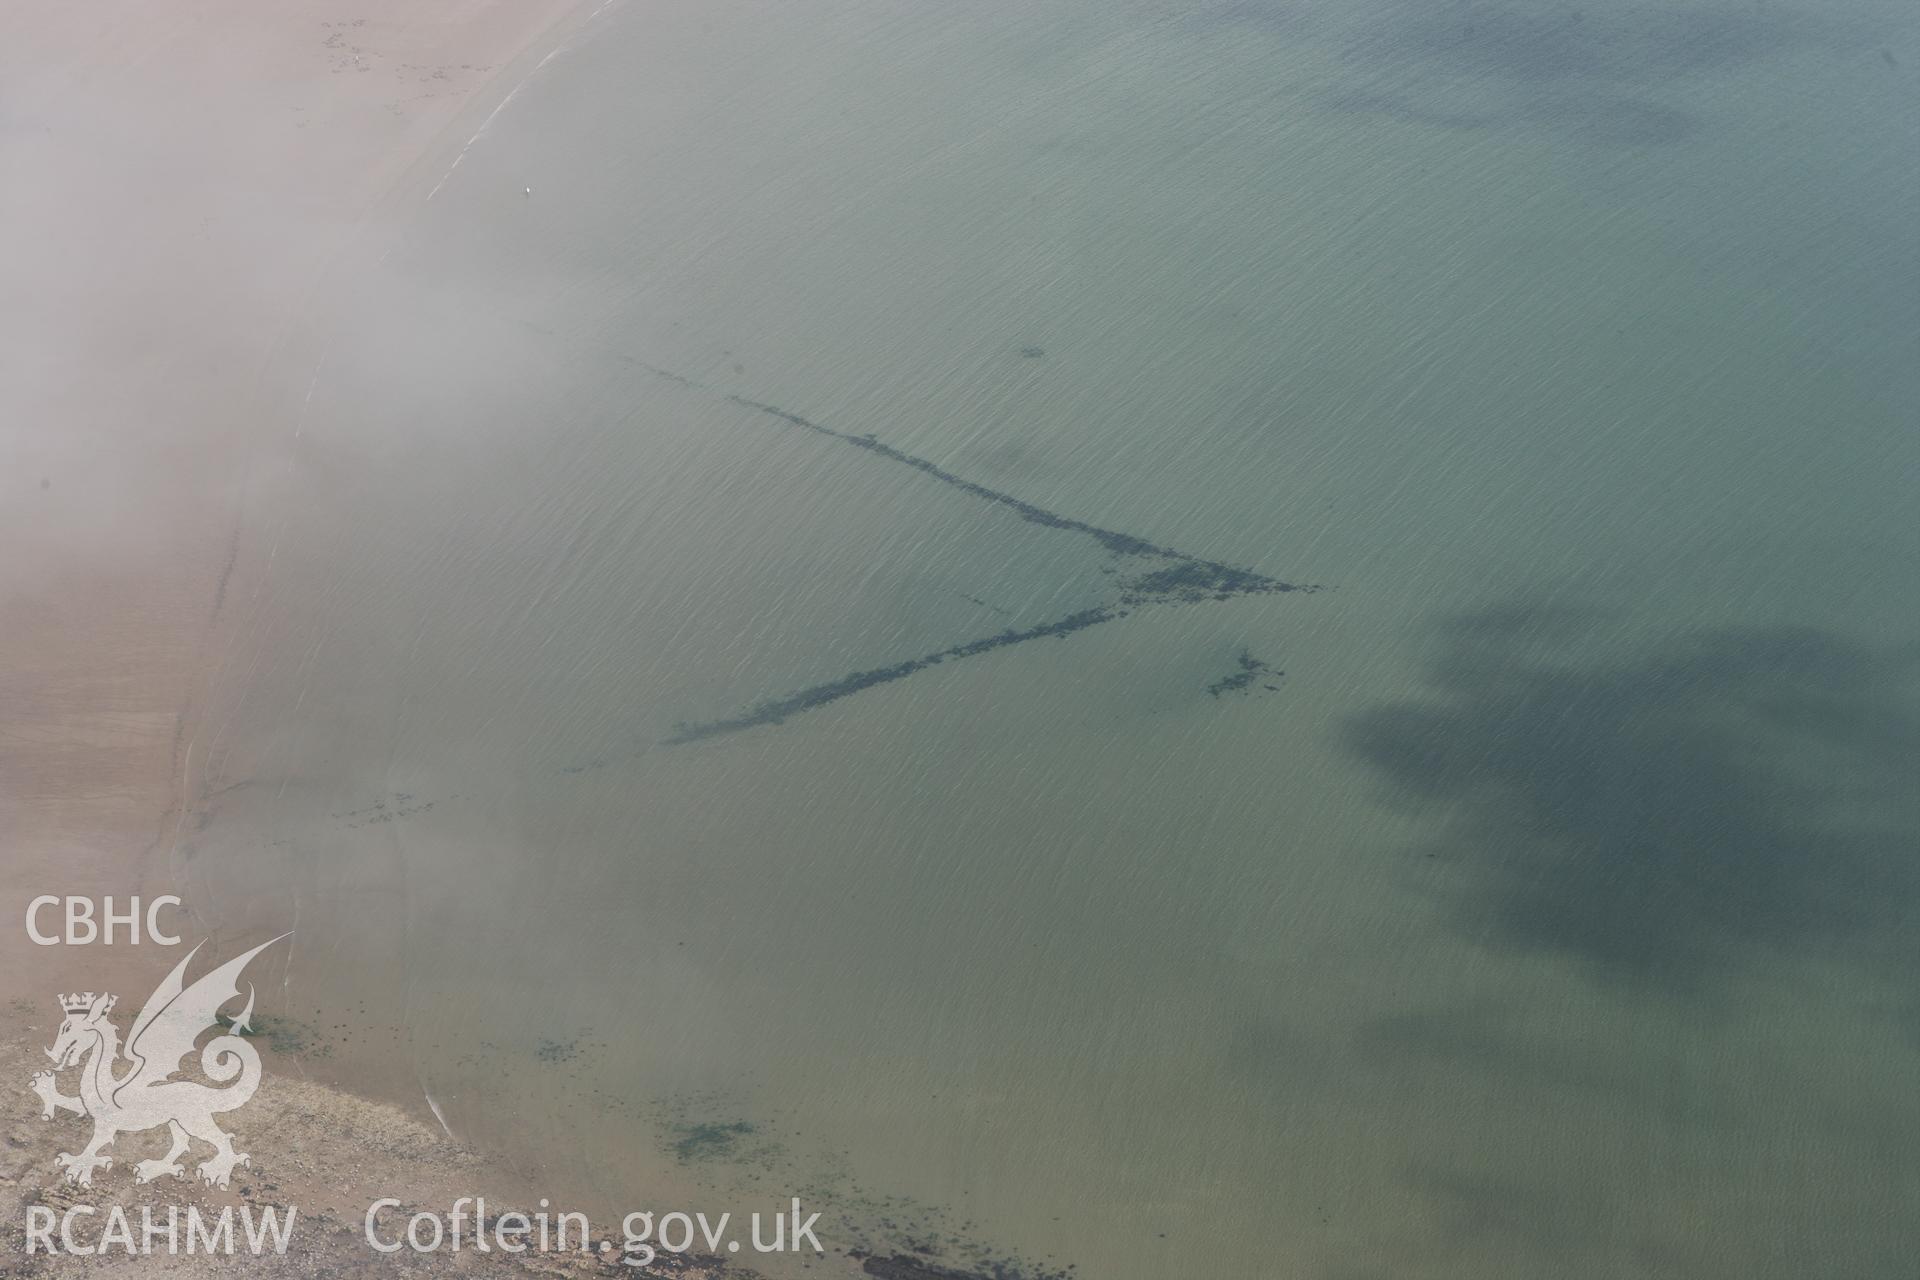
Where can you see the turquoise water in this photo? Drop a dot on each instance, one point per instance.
(1540, 903)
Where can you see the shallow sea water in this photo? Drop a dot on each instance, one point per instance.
(1541, 904)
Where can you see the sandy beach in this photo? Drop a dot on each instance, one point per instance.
(325, 1145)
(181, 177)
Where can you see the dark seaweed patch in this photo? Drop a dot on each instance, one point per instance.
(557, 1051)
(984, 604)
(894, 1235)
(401, 805)
(1663, 818)
(1251, 670)
(1193, 581)
(282, 1035)
(904, 1266)
(709, 1140)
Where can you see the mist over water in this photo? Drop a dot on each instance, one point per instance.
(737, 671)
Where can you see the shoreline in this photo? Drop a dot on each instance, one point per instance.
(188, 178)
(327, 1161)
(192, 177)
(321, 1152)
(205, 180)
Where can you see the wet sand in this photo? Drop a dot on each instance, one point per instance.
(329, 1155)
(319, 1149)
(179, 178)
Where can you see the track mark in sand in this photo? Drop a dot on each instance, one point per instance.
(1182, 579)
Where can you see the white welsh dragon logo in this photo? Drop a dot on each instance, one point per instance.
(144, 1095)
